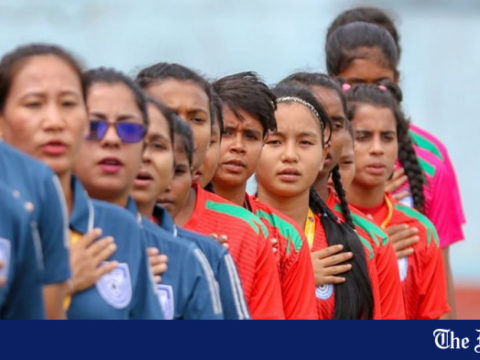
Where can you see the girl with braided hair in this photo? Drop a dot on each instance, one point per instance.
(328, 92)
(380, 129)
(364, 52)
(292, 156)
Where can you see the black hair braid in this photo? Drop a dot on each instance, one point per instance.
(337, 183)
(408, 158)
(354, 297)
(406, 153)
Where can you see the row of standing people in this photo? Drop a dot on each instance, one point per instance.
(310, 244)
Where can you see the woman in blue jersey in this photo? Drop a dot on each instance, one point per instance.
(109, 167)
(156, 175)
(44, 114)
(21, 295)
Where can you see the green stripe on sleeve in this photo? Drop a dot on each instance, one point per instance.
(431, 230)
(426, 144)
(287, 230)
(238, 212)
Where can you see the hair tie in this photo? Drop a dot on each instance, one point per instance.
(297, 100)
(382, 87)
(346, 87)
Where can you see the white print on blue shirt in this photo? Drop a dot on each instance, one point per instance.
(115, 287)
(4, 256)
(166, 300)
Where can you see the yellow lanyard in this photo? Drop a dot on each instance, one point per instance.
(74, 238)
(310, 228)
(389, 214)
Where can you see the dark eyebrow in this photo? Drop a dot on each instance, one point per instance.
(157, 136)
(253, 131)
(275, 133)
(98, 115)
(363, 131)
(123, 117)
(308, 133)
(127, 117)
(70, 92)
(356, 81)
(198, 110)
(389, 132)
(338, 118)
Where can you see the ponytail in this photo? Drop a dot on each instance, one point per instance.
(354, 297)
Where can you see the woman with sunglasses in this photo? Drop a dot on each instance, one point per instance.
(44, 114)
(110, 167)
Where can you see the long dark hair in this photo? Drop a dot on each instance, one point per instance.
(353, 298)
(389, 95)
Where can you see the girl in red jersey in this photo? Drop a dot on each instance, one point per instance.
(248, 113)
(360, 51)
(330, 95)
(190, 95)
(291, 159)
(379, 128)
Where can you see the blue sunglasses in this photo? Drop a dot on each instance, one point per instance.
(128, 132)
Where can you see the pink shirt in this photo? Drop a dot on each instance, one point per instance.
(442, 199)
(427, 141)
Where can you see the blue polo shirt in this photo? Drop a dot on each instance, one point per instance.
(21, 297)
(224, 269)
(128, 291)
(37, 184)
(188, 289)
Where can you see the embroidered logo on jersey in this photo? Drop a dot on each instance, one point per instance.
(324, 291)
(116, 286)
(165, 298)
(407, 201)
(403, 268)
(4, 256)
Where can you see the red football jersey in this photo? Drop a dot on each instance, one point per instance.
(325, 294)
(390, 288)
(248, 246)
(293, 260)
(422, 274)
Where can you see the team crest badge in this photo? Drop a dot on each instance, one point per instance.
(403, 268)
(324, 291)
(165, 298)
(4, 256)
(116, 286)
(407, 201)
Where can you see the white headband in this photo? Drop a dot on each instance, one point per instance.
(286, 99)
